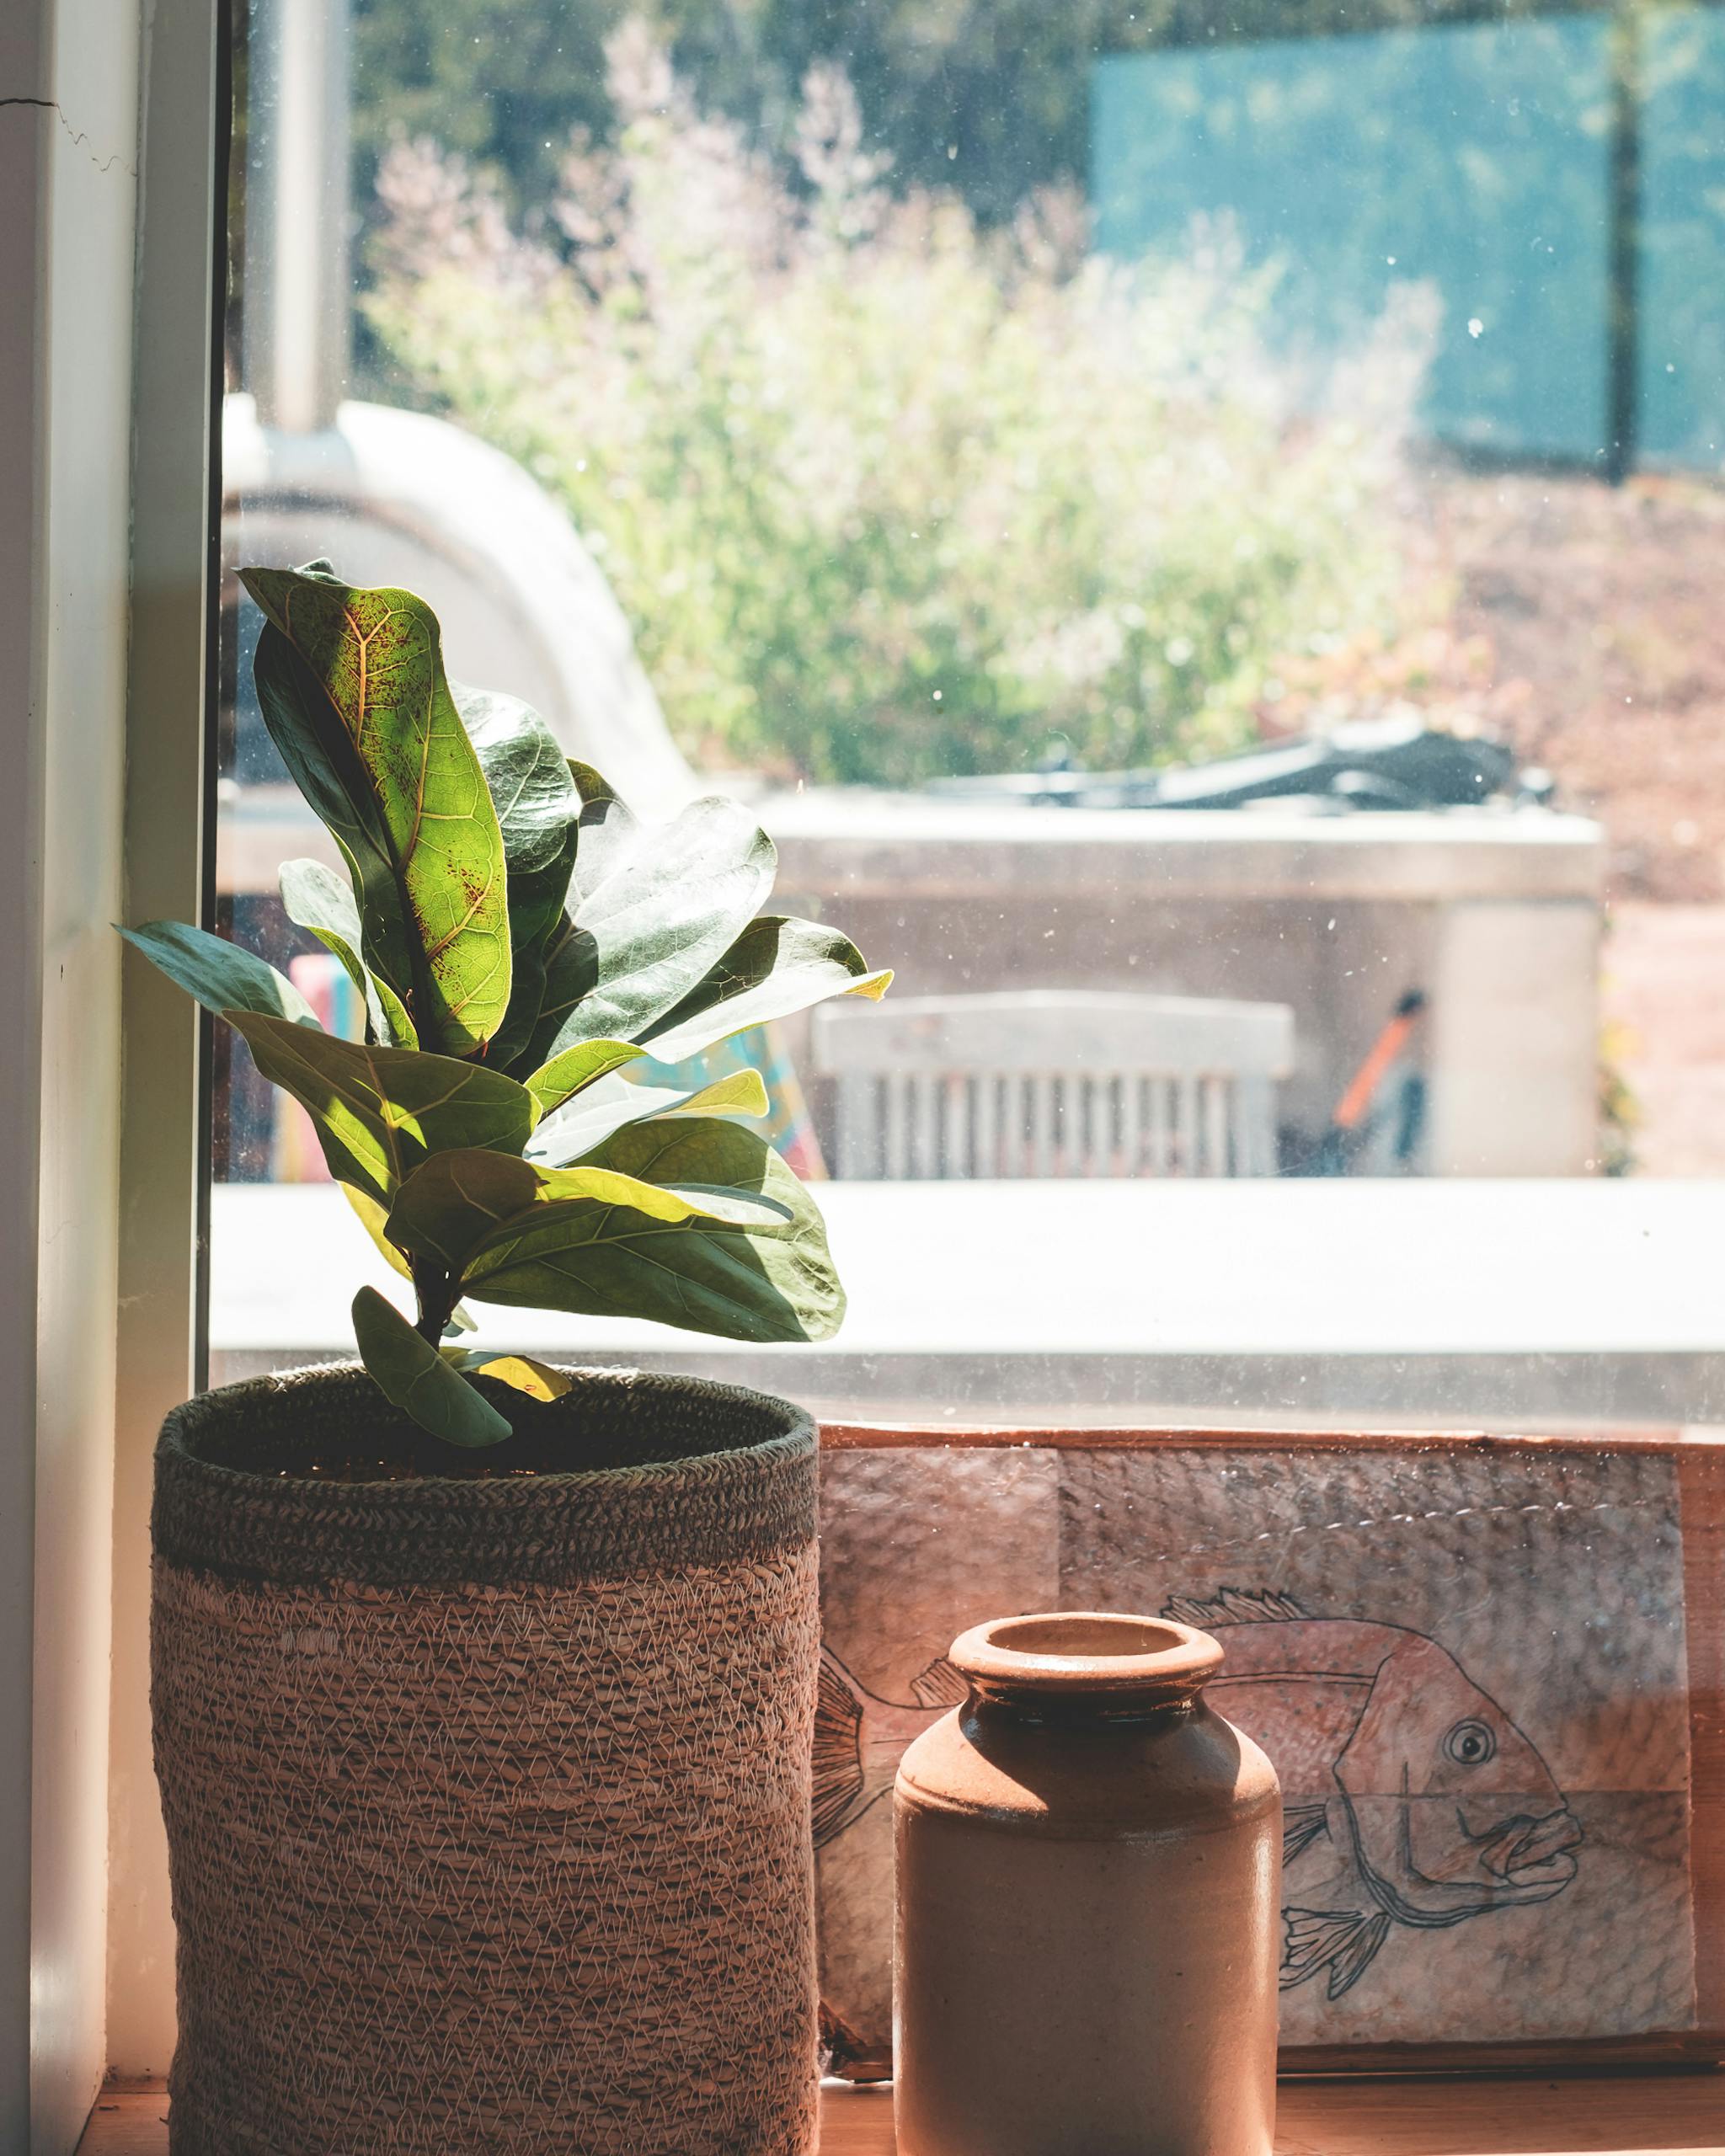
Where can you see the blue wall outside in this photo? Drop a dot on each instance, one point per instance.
(1478, 159)
(1681, 356)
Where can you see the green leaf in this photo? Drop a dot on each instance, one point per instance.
(220, 975)
(608, 830)
(610, 1104)
(324, 764)
(455, 1199)
(538, 808)
(776, 966)
(738, 1092)
(538, 811)
(608, 834)
(652, 928)
(706, 1275)
(314, 898)
(576, 1068)
(384, 1109)
(690, 1153)
(412, 1374)
(571, 973)
(757, 1210)
(538, 1380)
(406, 792)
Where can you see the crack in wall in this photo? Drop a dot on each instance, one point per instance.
(80, 140)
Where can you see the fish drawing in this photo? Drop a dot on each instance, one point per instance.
(1434, 1806)
(859, 1739)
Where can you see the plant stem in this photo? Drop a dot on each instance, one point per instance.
(437, 1294)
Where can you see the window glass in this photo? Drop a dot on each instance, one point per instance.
(1198, 535)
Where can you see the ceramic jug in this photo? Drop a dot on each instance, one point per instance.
(1088, 1873)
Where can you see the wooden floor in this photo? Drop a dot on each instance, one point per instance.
(1651, 2115)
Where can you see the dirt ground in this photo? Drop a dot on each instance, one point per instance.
(1588, 624)
(1666, 1033)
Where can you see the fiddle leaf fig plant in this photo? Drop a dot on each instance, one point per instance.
(517, 940)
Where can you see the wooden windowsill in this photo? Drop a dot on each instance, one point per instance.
(1639, 2115)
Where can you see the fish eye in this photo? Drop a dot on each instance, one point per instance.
(1470, 1744)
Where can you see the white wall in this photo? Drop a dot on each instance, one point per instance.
(68, 155)
(1515, 1031)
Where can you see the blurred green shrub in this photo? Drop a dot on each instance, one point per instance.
(885, 496)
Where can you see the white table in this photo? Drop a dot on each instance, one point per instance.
(1427, 1301)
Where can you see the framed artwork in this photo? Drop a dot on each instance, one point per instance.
(1490, 1671)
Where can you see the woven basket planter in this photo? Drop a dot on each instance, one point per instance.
(488, 1799)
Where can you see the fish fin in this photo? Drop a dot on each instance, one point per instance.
(1343, 1941)
(940, 1685)
(1233, 1605)
(1302, 1825)
(838, 1746)
(1351, 1964)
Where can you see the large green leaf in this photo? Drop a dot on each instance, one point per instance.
(314, 898)
(538, 811)
(687, 1152)
(538, 807)
(452, 1202)
(325, 765)
(416, 1377)
(608, 831)
(386, 1108)
(703, 1274)
(652, 928)
(578, 1068)
(220, 975)
(571, 973)
(776, 966)
(610, 1103)
(409, 789)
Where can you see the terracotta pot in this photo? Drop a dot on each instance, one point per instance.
(1088, 1863)
(487, 1777)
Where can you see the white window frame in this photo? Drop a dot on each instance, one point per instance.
(169, 842)
(109, 136)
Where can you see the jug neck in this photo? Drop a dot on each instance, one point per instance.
(1086, 1666)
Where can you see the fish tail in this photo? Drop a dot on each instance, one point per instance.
(1343, 1941)
(940, 1685)
(1302, 1825)
(838, 1746)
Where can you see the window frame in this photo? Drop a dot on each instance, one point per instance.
(185, 128)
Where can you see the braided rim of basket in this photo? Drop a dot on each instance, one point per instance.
(693, 1473)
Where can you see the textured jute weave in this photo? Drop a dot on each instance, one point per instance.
(483, 1863)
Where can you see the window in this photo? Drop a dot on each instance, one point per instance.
(1169, 517)
(1197, 541)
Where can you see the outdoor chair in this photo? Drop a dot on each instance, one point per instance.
(1053, 1083)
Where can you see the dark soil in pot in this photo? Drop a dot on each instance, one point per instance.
(365, 1439)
